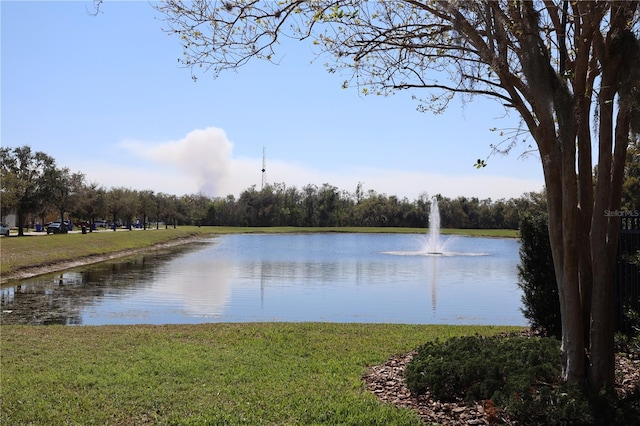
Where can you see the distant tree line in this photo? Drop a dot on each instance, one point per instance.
(279, 205)
(37, 191)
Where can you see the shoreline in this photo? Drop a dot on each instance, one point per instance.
(31, 271)
(47, 268)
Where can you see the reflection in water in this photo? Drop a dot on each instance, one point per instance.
(300, 277)
(434, 283)
(62, 298)
(262, 282)
(201, 289)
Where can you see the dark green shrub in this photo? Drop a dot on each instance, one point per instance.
(522, 376)
(609, 410)
(537, 278)
(551, 406)
(629, 341)
(475, 368)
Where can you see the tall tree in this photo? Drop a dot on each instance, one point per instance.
(167, 209)
(114, 204)
(25, 178)
(91, 199)
(329, 206)
(130, 206)
(147, 202)
(65, 189)
(566, 67)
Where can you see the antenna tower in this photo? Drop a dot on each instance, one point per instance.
(264, 167)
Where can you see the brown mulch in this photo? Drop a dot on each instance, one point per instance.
(387, 382)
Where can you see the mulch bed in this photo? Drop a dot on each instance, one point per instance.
(386, 381)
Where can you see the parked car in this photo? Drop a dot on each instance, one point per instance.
(4, 229)
(100, 223)
(57, 228)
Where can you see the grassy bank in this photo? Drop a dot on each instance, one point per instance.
(277, 373)
(18, 253)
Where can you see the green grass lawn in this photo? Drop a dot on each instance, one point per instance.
(214, 374)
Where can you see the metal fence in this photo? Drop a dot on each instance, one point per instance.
(627, 278)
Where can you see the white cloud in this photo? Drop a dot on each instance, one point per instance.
(411, 184)
(202, 161)
(112, 175)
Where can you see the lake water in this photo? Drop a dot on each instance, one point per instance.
(375, 278)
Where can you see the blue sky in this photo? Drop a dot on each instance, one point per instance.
(105, 95)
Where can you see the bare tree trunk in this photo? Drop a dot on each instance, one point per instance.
(573, 339)
(585, 71)
(604, 229)
(565, 259)
(585, 214)
(20, 216)
(602, 371)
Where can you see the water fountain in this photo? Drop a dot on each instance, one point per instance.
(433, 244)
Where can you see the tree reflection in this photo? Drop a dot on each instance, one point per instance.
(60, 298)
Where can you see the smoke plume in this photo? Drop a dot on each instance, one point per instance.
(203, 154)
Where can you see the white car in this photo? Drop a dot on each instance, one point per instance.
(4, 230)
